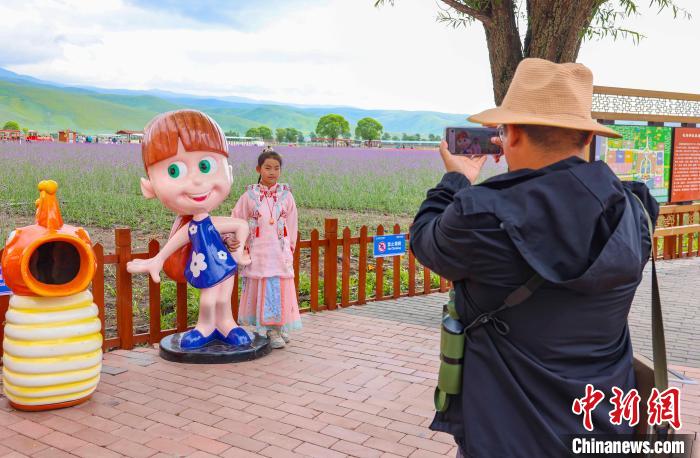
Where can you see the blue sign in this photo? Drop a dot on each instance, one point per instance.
(4, 290)
(389, 245)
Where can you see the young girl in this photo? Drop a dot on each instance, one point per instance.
(185, 155)
(269, 299)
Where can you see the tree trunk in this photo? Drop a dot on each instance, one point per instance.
(504, 46)
(555, 30)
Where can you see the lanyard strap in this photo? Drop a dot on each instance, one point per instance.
(520, 295)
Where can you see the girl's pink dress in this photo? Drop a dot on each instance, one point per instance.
(269, 299)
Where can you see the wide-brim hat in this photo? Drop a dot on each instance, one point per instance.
(547, 94)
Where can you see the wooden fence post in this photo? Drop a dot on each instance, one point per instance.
(181, 307)
(124, 302)
(362, 266)
(345, 275)
(4, 305)
(313, 288)
(379, 264)
(153, 299)
(98, 289)
(397, 268)
(330, 264)
(411, 273)
(297, 262)
(235, 301)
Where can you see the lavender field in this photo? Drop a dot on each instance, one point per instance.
(98, 184)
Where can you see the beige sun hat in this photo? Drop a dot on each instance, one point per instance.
(547, 94)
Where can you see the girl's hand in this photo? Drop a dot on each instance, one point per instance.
(151, 266)
(231, 242)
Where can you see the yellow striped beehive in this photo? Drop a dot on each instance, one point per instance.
(53, 350)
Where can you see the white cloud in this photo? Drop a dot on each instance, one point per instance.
(337, 52)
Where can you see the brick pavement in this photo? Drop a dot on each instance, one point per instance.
(347, 386)
(350, 384)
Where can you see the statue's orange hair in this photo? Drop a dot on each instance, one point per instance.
(196, 131)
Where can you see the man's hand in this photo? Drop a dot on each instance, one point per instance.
(469, 166)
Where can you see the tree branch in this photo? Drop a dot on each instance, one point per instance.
(468, 10)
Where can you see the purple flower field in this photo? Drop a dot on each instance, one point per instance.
(99, 182)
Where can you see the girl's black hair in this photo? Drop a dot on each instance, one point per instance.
(268, 154)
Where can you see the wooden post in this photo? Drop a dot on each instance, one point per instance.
(397, 268)
(153, 299)
(297, 258)
(426, 281)
(443, 285)
(181, 307)
(98, 289)
(4, 305)
(362, 274)
(234, 298)
(670, 240)
(345, 274)
(330, 264)
(411, 273)
(313, 293)
(379, 262)
(124, 302)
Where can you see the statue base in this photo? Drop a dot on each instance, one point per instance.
(216, 352)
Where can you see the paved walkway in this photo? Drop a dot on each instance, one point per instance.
(679, 282)
(350, 384)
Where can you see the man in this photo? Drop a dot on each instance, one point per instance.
(573, 233)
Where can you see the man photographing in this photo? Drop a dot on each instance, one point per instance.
(545, 262)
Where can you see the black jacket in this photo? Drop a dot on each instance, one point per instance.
(578, 226)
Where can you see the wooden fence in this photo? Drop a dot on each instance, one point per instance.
(675, 237)
(677, 232)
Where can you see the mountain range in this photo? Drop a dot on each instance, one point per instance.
(48, 107)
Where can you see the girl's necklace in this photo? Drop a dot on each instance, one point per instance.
(270, 207)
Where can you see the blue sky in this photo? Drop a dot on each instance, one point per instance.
(239, 14)
(318, 52)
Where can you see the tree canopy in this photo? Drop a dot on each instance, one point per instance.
(548, 29)
(369, 129)
(288, 135)
(263, 132)
(11, 125)
(333, 126)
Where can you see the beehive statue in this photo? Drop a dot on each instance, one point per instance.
(53, 346)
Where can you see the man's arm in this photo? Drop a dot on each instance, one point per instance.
(442, 236)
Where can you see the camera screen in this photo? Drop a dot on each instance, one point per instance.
(471, 140)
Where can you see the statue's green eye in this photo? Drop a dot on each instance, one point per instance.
(204, 166)
(207, 165)
(177, 170)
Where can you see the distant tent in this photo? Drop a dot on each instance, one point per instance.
(132, 136)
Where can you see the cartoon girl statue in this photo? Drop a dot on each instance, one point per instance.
(467, 144)
(185, 155)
